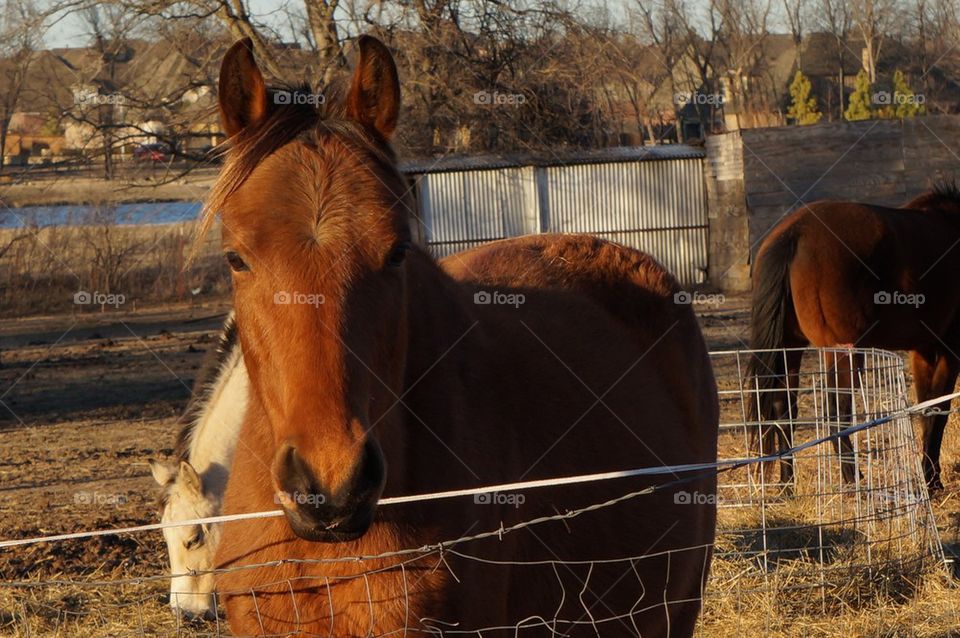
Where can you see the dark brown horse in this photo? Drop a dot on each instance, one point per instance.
(841, 273)
(375, 371)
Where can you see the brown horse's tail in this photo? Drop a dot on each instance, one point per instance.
(771, 306)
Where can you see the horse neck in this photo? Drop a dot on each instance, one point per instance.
(217, 428)
(439, 307)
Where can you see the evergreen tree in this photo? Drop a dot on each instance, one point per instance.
(803, 107)
(859, 107)
(905, 102)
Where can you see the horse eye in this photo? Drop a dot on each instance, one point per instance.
(194, 541)
(236, 262)
(398, 254)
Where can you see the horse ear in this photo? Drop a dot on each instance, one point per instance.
(163, 473)
(374, 96)
(242, 92)
(189, 478)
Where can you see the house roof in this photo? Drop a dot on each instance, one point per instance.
(452, 163)
(819, 55)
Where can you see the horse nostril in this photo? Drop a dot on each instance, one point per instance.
(314, 513)
(194, 615)
(185, 614)
(295, 483)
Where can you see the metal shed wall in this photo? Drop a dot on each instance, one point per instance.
(657, 206)
(462, 209)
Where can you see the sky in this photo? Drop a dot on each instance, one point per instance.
(71, 31)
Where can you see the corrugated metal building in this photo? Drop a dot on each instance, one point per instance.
(650, 198)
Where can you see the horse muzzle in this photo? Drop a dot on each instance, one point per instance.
(313, 512)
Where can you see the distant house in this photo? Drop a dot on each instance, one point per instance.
(753, 84)
(832, 68)
(136, 92)
(830, 65)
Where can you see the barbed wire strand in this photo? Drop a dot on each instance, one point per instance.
(724, 465)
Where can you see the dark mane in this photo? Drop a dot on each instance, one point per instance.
(213, 362)
(948, 189)
(285, 123)
(209, 372)
(945, 197)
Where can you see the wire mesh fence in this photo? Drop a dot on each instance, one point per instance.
(845, 527)
(837, 526)
(577, 605)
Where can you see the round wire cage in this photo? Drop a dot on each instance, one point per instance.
(836, 525)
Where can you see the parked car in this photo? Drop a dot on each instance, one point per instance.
(151, 153)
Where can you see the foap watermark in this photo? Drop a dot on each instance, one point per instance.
(92, 98)
(99, 499)
(95, 298)
(685, 298)
(296, 98)
(496, 298)
(695, 498)
(500, 498)
(285, 298)
(290, 499)
(496, 98)
(897, 298)
(886, 98)
(698, 99)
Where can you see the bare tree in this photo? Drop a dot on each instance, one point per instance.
(322, 22)
(795, 13)
(933, 28)
(873, 19)
(697, 68)
(661, 24)
(744, 28)
(18, 45)
(836, 19)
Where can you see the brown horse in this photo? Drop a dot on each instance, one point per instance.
(841, 273)
(524, 359)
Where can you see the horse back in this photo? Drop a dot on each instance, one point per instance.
(663, 411)
(629, 287)
(846, 256)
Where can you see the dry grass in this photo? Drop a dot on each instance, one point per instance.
(907, 593)
(42, 269)
(931, 613)
(82, 612)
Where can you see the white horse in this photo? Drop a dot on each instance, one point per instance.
(193, 484)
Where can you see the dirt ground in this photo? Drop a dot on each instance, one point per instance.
(88, 398)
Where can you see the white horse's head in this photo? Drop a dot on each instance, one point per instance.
(191, 547)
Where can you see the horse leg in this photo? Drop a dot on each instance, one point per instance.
(843, 378)
(934, 374)
(785, 430)
(763, 442)
(777, 435)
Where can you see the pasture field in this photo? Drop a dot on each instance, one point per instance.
(91, 396)
(119, 265)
